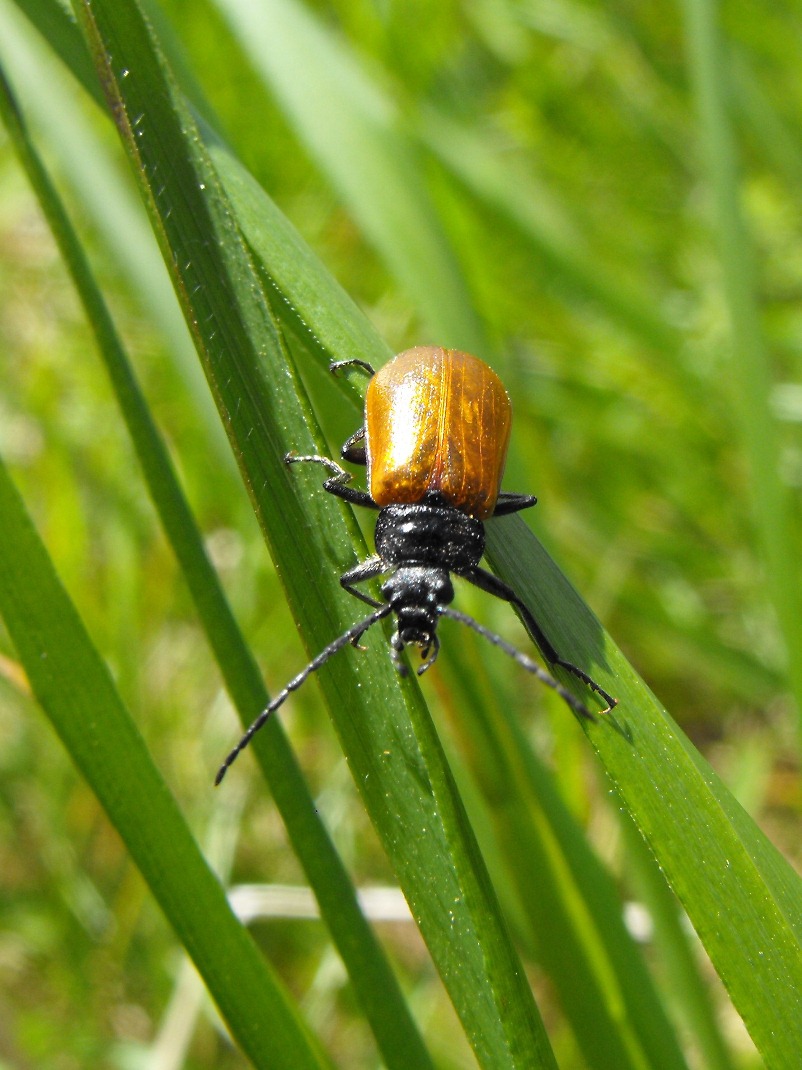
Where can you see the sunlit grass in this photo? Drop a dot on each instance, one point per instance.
(595, 287)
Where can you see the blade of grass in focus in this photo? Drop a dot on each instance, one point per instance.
(709, 849)
(371, 976)
(75, 688)
(711, 853)
(397, 760)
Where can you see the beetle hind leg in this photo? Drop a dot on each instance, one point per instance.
(580, 674)
(353, 362)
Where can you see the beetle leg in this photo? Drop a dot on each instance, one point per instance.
(365, 570)
(513, 503)
(525, 662)
(336, 484)
(354, 449)
(354, 362)
(486, 581)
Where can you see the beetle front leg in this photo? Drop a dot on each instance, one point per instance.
(361, 573)
(486, 581)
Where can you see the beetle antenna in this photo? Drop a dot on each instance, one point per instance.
(353, 633)
(525, 662)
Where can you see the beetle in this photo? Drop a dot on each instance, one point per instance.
(434, 441)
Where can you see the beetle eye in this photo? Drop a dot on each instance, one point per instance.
(444, 590)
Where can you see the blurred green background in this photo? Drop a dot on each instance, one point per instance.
(569, 157)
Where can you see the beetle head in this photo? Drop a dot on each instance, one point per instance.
(417, 594)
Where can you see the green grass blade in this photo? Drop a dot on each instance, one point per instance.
(311, 302)
(393, 751)
(751, 367)
(353, 131)
(478, 164)
(75, 688)
(743, 898)
(685, 984)
(371, 976)
(569, 902)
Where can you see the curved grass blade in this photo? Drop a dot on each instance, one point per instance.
(75, 688)
(743, 898)
(393, 750)
(373, 981)
(354, 132)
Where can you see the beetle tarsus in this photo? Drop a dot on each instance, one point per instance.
(591, 683)
(337, 366)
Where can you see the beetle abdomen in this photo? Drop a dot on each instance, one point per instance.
(437, 421)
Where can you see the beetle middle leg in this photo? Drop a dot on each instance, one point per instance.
(354, 449)
(365, 570)
(336, 484)
(486, 581)
(508, 502)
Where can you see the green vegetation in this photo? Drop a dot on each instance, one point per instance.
(602, 205)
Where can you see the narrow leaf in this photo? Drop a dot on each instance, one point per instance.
(743, 898)
(75, 688)
(393, 750)
(372, 978)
